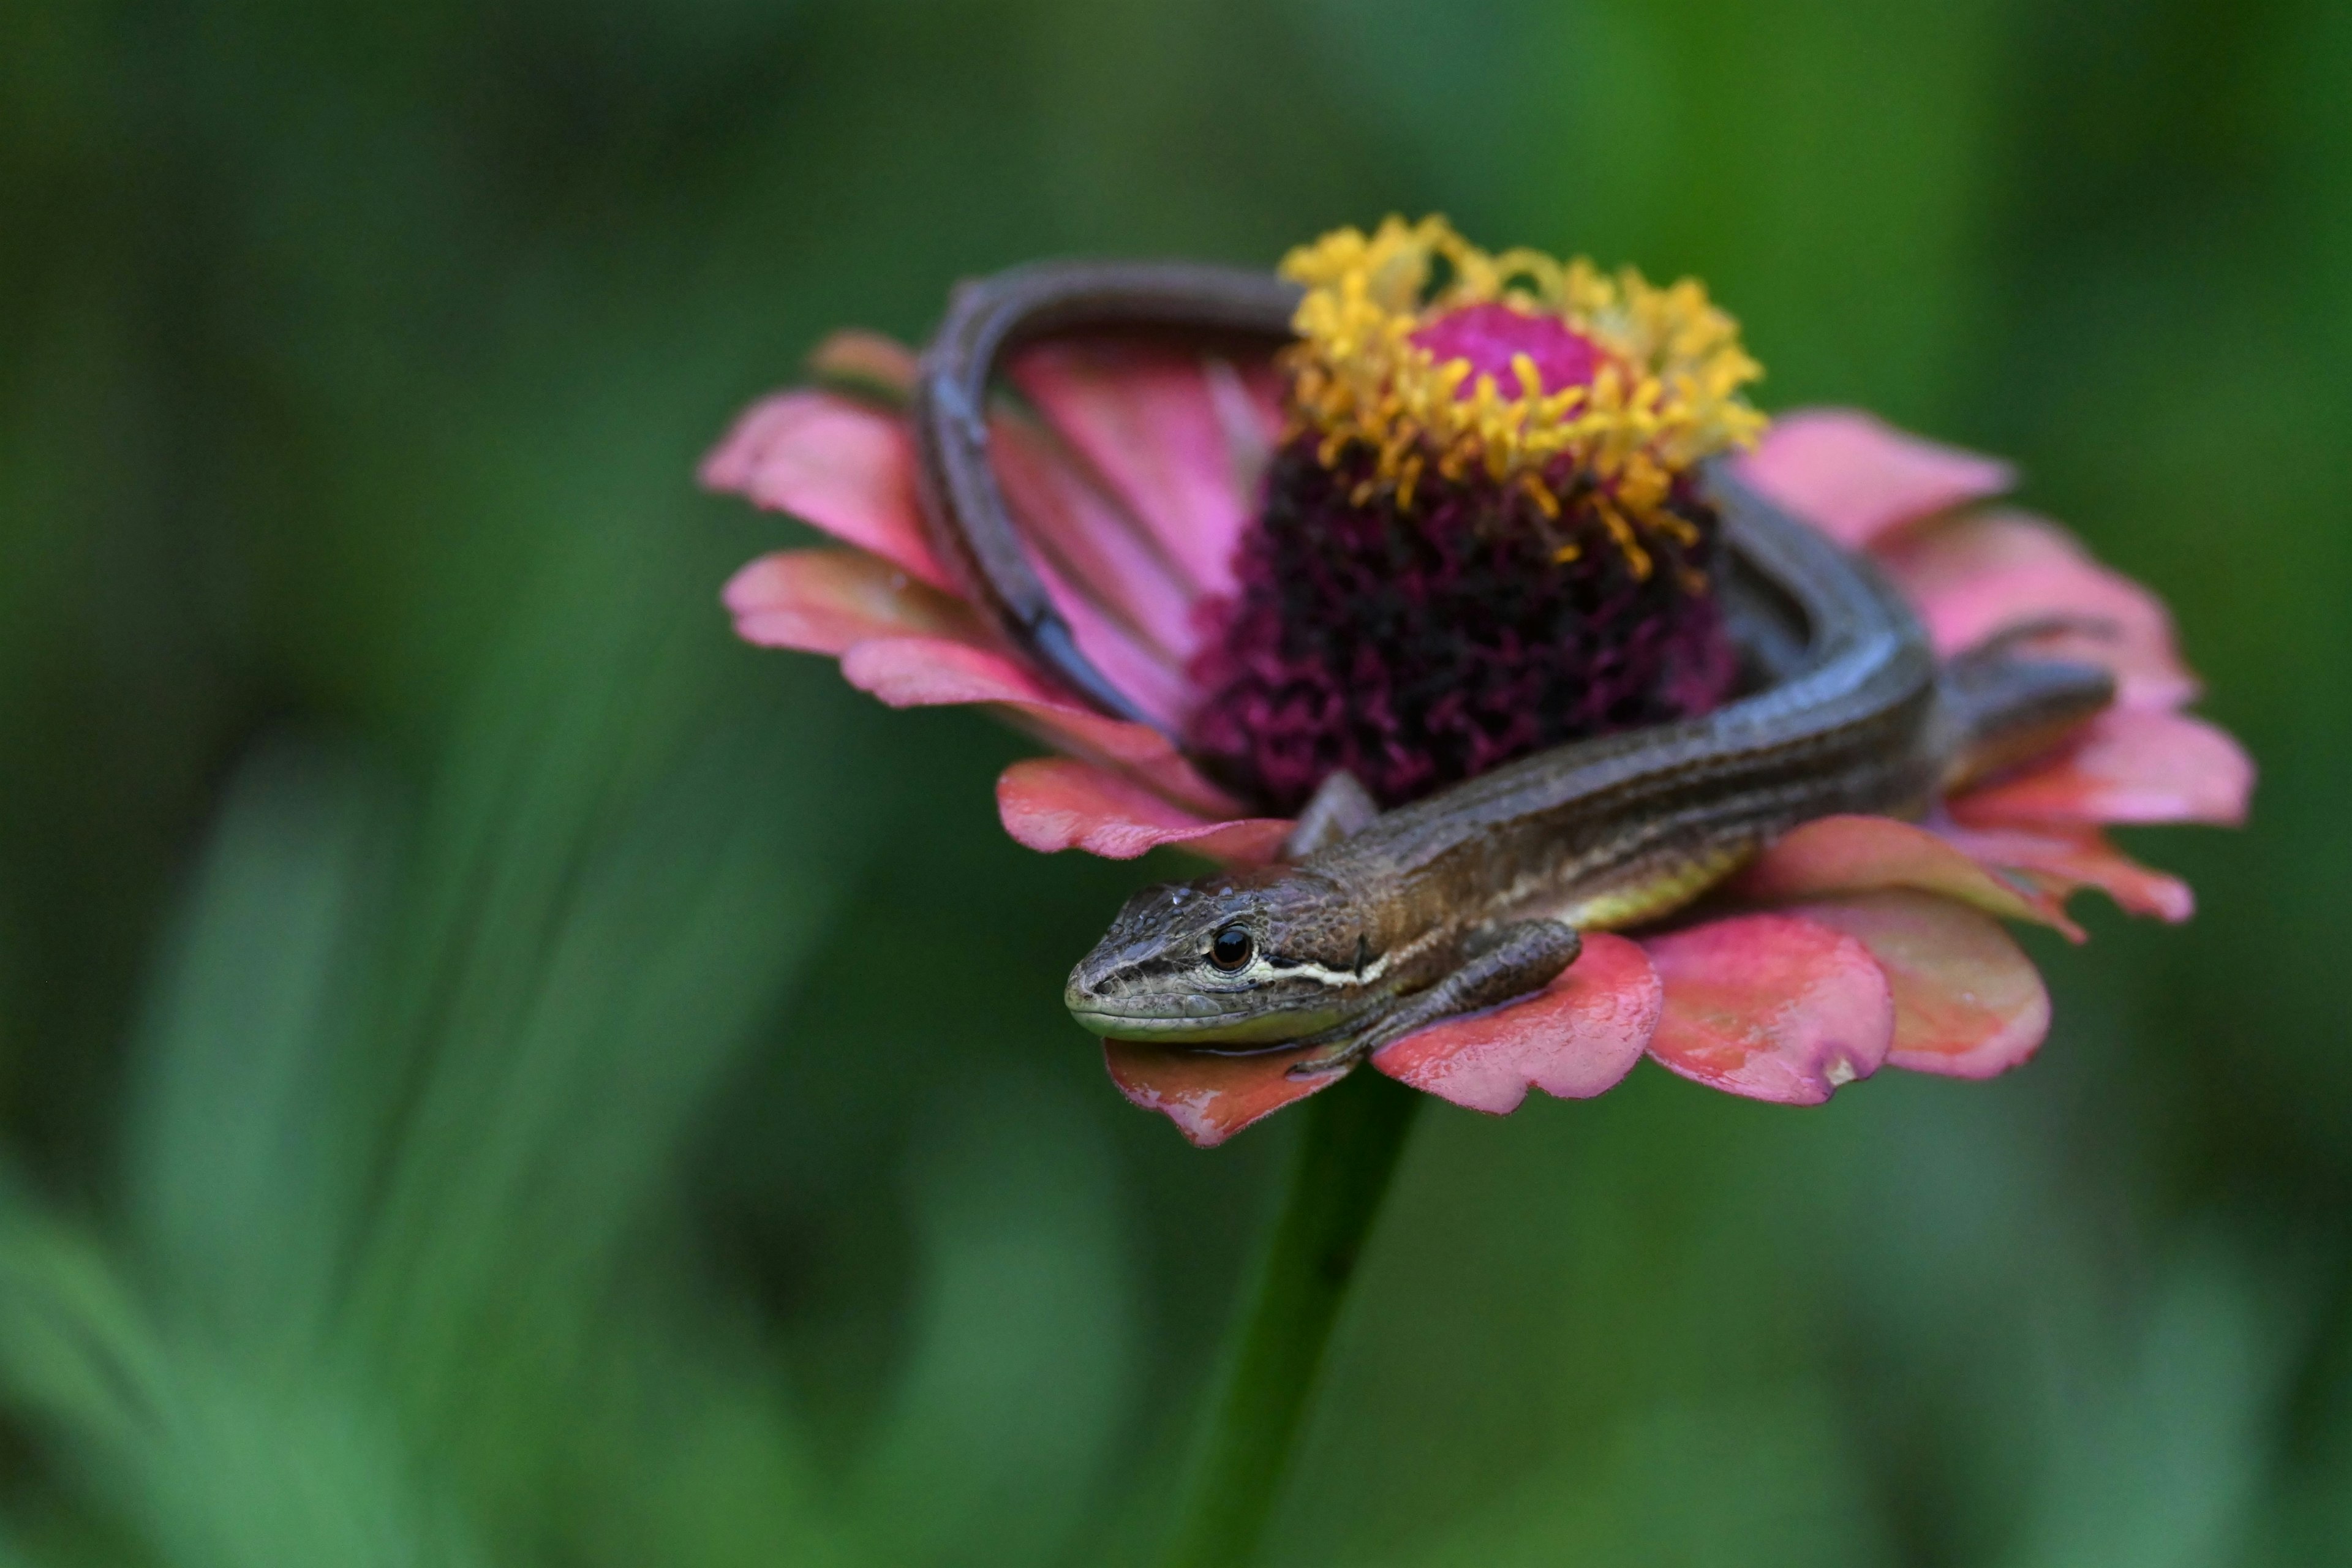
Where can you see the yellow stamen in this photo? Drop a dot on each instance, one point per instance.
(1540, 493)
(1637, 560)
(1666, 393)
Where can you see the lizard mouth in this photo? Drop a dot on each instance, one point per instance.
(1192, 1018)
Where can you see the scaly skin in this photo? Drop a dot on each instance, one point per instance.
(1476, 894)
(1594, 834)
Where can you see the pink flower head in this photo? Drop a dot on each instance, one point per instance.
(1136, 465)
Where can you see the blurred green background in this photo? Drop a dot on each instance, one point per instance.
(492, 1072)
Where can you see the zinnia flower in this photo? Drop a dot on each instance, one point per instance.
(1164, 490)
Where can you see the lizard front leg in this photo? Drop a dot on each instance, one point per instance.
(1502, 964)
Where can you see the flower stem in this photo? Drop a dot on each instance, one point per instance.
(1354, 1132)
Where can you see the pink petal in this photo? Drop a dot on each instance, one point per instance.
(843, 466)
(1129, 660)
(1855, 475)
(1149, 417)
(1573, 1039)
(1126, 601)
(1210, 1097)
(1253, 402)
(1059, 803)
(932, 672)
(827, 601)
(1983, 575)
(2061, 859)
(865, 358)
(1968, 1002)
(929, 672)
(2129, 765)
(1866, 854)
(1770, 1006)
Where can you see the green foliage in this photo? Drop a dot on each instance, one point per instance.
(493, 1073)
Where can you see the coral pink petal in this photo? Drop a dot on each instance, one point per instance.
(828, 601)
(1050, 803)
(2061, 859)
(1770, 1006)
(2129, 765)
(1154, 422)
(843, 466)
(932, 672)
(1968, 1002)
(1982, 577)
(1866, 854)
(1855, 475)
(1210, 1097)
(1574, 1039)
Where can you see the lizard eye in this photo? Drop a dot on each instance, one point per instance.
(1231, 947)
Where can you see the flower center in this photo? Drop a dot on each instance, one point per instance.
(1492, 336)
(1484, 534)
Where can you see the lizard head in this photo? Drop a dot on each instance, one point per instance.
(1236, 958)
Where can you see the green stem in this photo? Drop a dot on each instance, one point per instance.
(1355, 1131)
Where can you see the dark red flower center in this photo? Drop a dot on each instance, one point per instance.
(1490, 335)
(1418, 645)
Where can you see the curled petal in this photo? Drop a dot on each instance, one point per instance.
(1059, 803)
(846, 466)
(1855, 475)
(1573, 1039)
(1252, 398)
(828, 601)
(1156, 422)
(1770, 1006)
(856, 358)
(1866, 854)
(1968, 1002)
(1210, 1097)
(2061, 859)
(2129, 765)
(1980, 577)
(933, 672)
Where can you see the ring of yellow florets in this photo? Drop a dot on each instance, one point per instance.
(1665, 393)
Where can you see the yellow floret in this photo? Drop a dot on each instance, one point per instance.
(1667, 395)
